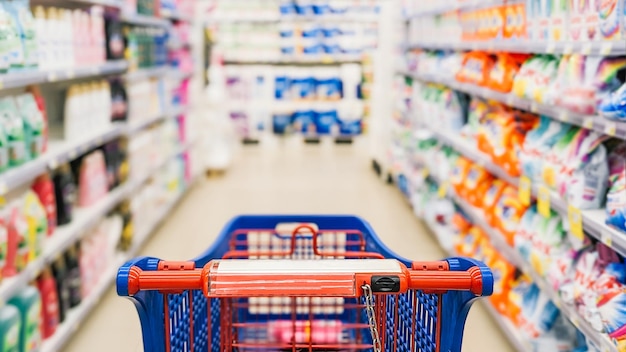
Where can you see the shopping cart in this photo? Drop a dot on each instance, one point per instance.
(302, 283)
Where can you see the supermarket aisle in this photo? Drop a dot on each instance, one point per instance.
(306, 179)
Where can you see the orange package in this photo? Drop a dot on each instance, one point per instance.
(475, 67)
(476, 185)
(497, 22)
(492, 196)
(508, 213)
(458, 175)
(504, 276)
(467, 247)
(503, 72)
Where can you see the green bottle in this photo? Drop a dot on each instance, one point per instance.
(10, 325)
(14, 128)
(28, 302)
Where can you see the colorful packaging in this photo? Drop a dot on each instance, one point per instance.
(610, 19)
(490, 200)
(37, 220)
(23, 18)
(10, 326)
(548, 243)
(509, 212)
(538, 143)
(33, 124)
(559, 20)
(28, 302)
(14, 128)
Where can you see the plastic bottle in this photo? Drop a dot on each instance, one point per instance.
(33, 121)
(42, 38)
(65, 194)
(50, 303)
(28, 302)
(10, 326)
(73, 276)
(14, 128)
(37, 224)
(60, 272)
(44, 188)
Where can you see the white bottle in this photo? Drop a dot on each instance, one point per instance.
(54, 35)
(78, 33)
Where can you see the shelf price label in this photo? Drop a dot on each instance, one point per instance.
(443, 189)
(606, 48)
(425, 173)
(588, 123)
(610, 128)
(607, 238)
(586, 49)
(575, 219)
(564, 115)
(543, 201)
(568, 49)
(525, 190)
(550, 48)
(534, 107)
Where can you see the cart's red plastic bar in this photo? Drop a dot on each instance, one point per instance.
(218, 282)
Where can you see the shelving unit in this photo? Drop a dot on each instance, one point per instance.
(608, 48)
(593, 122)
(150, 72)
(143, 20)
(25, 78)
(308, 60)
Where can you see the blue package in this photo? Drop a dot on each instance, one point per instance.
(331, 32)
(282, 86)
(281, 123)
(288, 8)
(322, 9)
(329, 89)
(305, 9)
(326, 121)
(286, 32)
(304, 121)
(314, 49)
(333, 49)
(303, 88)
(614, 105)
(350, 127)
(312, 32)
(287, 50)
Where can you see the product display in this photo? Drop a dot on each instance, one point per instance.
(86, 85)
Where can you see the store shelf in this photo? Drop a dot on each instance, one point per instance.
(61, 239)
(294, 19)
(608, 48)
(312, 60)
(176, 16)
(77, 315)
(602, 341)
(145, 73)
(144, 20)
(134, 127)
(593, 122)
(24, 78)
(454, 5)
(116, 4)
(594, 221)
(58, 152)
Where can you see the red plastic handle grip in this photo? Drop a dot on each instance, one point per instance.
(441, 281)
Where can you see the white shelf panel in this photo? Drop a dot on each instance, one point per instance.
(144, 20)
(606, 48)
(448, 6)
(30, 77)
(145, 73)
(594, 122)
(295, 19)
(176, 16)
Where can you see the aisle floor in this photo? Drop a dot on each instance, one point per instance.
(307, 179)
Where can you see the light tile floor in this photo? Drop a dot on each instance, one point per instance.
(302, 179)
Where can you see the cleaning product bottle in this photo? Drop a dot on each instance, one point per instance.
(50, 302)
(28, 302)
(4, 239)
(44, 188)
(14, 128)
(18, 232)
(33, 124)
(37, 224)
(10, 326)
(59, 269)
(73, 275)
(10, 266)
(65, 194)
(41, 106)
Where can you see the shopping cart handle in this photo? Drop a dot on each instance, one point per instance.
(306, 278)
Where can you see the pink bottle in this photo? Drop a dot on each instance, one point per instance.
(92, 179)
